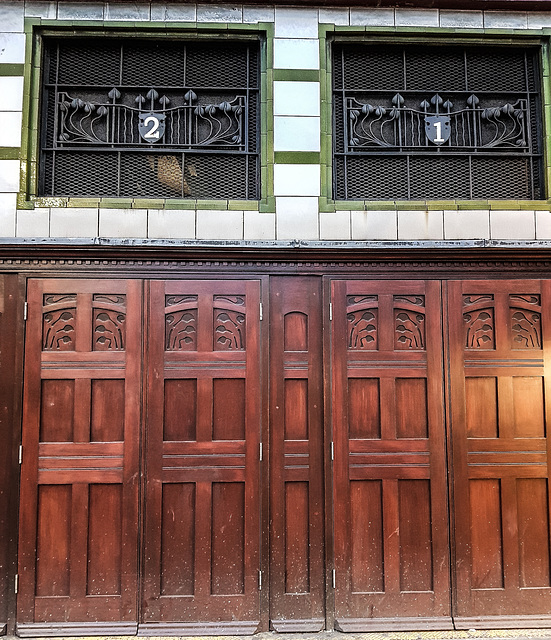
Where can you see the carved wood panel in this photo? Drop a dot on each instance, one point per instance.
(499, 378)
(390, 520)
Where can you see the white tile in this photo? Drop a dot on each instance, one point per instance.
(80, 11)
(259, 226)
(297, 218)
(512, 225)
(340, 17)
(12, 48)
(219, 225)
(127, 11)
(374, 225)
(253, 14)
(292, 22)
(335, 225)
(416, 17)
(174, 12)
(296, 133)
(33, 223)
(298, 53)
(46, 9)
(11, 93)
(7, 215)
(372, 17)
(72, 222)
(297, 180)
(461, 19)
(12, 15)
(296, 98)
(9, 176)
(467, 224)
(179, 223)
(539, 19)
(219, 13)
(10, 126)
(505, 20)
(123, 223)
(543, 225)
(420, 225)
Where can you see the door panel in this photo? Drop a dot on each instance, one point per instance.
(79, 477)
(499, 344)
(202, 499)
(296, 456)
(390, 519)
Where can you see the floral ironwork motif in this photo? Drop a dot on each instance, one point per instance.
(472, 126)
(229, 323)
(181, 323)
(109, 322)
(363, 322)
(479, 321)
(115, 121)
(525, 321)
(58, 322)
(409, 322)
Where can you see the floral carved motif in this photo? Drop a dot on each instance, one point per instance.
(181, 323)
(229, 323)
(409, 322)
(109, 322)
(58, 322)
(363, 322)
(525, 313)
(479, 322)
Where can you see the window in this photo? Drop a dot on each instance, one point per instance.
(436, 122)
(150, 118)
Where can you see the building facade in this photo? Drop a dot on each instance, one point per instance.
(275, 304)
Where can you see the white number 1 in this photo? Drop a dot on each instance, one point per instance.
(439, 137)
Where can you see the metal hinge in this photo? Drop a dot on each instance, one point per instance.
(260, 310)
(260, 580)
(16, 583)
(334, 578)
(20, 453)
(330, 311)
(260, 452)
(25, 310)
(332, 451)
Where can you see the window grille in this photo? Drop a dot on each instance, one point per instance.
(436, 122)
(150, 119)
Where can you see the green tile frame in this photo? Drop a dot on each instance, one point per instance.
(426, 35)
(36, 28)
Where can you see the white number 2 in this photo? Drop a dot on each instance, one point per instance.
(153, 133)
(439, 137)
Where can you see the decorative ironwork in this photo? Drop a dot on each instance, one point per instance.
(181, 323)
(525, 321)
(59, 322)
(437, 123)
(409, 322)
(363, 322)
(109, 322)
(479, 321)
(229, 323)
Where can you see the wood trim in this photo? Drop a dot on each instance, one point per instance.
(299, 626)
(503, 622)
(354, 625)
(45, 630)
(199, 629)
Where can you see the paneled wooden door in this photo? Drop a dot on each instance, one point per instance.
(390, 488)
(202, 491)
(500, 342)
(80, 467)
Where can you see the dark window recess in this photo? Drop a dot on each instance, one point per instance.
(428, 122)
(149, 119)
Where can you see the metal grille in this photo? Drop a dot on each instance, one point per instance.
(151, 119)
(436, 122)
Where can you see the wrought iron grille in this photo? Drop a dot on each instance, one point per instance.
(428, 122)
(144, 118)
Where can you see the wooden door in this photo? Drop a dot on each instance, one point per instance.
(79, 476)
(499, 361)
(202, 514)
(297, 588)
(390, 519)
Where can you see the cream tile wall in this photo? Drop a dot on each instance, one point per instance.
(296, 128)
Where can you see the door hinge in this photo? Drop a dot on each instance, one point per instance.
(332, 451)
(260, 303)
(260, 580)
(16, 583)
(334, 578)
(260, 452)
(330, 311)
(20, 453)
(25, 310)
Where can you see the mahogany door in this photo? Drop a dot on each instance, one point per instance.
(79, 476)
(297, 583)
(499, 357)
(202, 492)
(390, 519)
